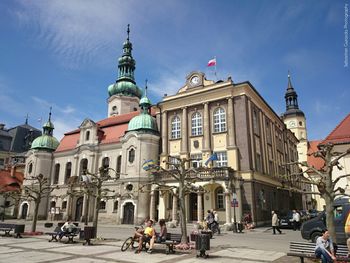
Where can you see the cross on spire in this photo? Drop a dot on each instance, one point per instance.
(128, 31)
(27, 117)
(146, 88)
(50, 114)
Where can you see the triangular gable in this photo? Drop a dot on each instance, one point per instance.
(340, 134)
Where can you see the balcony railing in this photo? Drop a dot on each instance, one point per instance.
(203, 173)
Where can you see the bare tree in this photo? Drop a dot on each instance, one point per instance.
(185, 179)
(36, 191)
(324, 180)
(13, 195)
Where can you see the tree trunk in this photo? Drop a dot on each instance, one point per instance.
(96, 211)
(330, 217)
(36, 211)
(182, 213)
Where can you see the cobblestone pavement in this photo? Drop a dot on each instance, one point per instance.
(255, 246)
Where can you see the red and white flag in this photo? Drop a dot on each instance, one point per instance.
(212, 62)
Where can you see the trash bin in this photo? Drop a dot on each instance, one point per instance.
(202, 244)
(89, 233)
(18, 230)
(207, 232)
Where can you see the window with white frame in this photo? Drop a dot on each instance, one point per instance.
(196, 160)
(174, 160)
(219, 120)
(222, 159)
(197, 124)
(220, 198)
(131, 156)
(176, 128)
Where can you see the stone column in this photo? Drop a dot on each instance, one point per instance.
(174, 212)
(230, 124)
(206, 124)
(85, 211)
(228, 207)
(200, 206)
(152, 206)
(164, 133)
(184, 131)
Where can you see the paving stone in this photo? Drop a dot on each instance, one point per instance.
(9, 250)
(79, 249)
(130, 256)
(40, 245)
(83, 260)
(30, 257)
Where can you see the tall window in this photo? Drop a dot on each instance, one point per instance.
(87, 136)
(68, 171)
(105, 162)
(64, 205)
(115, 206)
(268, 133)
(30, 168)
(196, 124)
(196, 160)
(222, 159)
(258, 163)
(176, 128)
(174, 161)
(83, 166)
(255, 122)
(57, 173)
(131, 155)
(219, 198)
(219, 120)
(119, 164)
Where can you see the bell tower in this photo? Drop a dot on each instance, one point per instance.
(295, 120)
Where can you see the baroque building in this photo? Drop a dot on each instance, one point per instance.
(225, 126)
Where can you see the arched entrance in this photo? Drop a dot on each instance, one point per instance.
(128, 216)
(24, 212)
(79, 208)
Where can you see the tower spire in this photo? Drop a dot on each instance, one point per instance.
(26, 122)
(128, 32)
(50, 114)
(291, 97)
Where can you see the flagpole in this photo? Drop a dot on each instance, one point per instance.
(215, 69)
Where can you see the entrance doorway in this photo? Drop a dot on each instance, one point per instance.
(193, 207)
(24, 211)
(79, 208)
(128, 217)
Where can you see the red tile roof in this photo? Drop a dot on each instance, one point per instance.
(112, 129)
(9, 182)
(316, 162)
(340, 134)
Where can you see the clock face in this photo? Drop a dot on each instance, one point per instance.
(194, 80)
(292, 124)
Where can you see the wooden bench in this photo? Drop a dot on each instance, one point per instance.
(56, 233)
(7, 228)
(170, 241)
(307, 250)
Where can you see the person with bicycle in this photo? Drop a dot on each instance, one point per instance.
(148, 235)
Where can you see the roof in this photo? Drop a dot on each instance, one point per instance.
(340, 134)
(316, 162)
(112, 129)
(9, 183)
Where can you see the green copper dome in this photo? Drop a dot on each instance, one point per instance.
(144, 121)
(125, 84)
(45, 142)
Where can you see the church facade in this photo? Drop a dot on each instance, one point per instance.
(236, 142)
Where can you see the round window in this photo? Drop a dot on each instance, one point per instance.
(129, 187)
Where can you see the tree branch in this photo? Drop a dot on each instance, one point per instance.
(340, 177)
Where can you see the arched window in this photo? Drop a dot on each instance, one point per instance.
(119, 164)
(87, 136)
(196, 124)
(83, 166)
(219, 120)
(176, 128)
(219, 198)
(115, 206)
(102, 205)
(131, 155)
(68, 172)
(105, 162)
(57, 173)
(30, 168)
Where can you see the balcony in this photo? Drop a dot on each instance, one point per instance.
(203, 173)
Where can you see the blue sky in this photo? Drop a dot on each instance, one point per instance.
(64, 54)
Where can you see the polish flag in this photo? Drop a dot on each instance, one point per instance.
(212, 62)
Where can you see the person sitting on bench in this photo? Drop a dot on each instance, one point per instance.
(67, 228)
(324, 248)
(161, 237)
(149, 235)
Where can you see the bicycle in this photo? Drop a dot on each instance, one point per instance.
(133, 242)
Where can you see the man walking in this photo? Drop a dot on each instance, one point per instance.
(296, 220)
(275, 223)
